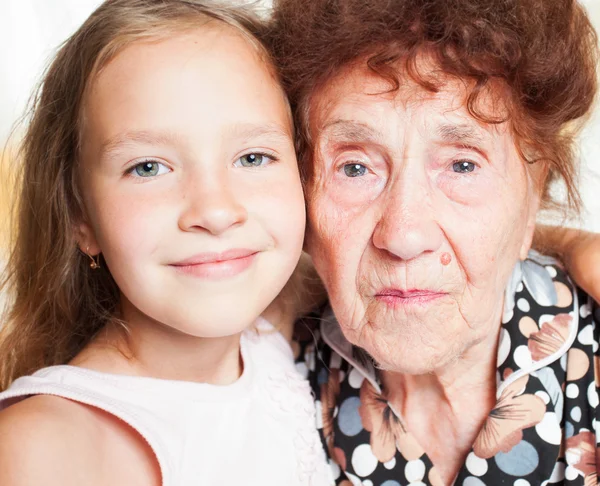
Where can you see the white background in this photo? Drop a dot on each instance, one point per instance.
(31, 30)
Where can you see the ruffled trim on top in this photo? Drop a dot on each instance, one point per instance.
(292, 395)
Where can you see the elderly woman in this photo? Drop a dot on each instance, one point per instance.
(430, 131)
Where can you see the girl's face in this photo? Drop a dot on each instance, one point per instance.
(190, 182)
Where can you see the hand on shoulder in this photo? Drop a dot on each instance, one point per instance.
(579, 250)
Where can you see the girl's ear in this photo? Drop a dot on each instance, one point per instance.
(86, 239)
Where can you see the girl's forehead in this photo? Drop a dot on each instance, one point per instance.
(202, 87)
(210, 38)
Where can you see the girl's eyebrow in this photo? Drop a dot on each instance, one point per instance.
(115, 144)
(249, 131)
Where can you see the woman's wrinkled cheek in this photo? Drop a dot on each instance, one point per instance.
(321, 241)
(337, 241)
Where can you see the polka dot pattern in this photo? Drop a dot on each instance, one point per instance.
(363, 460)
(523, 305)
(414, 470)
(475, 465)
(521, 460)
(572, 390)
(349, 418)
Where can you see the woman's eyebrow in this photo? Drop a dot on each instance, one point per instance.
(350, 131)
(464, 135)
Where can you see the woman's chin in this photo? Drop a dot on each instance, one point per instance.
(411, 365)
(411, 353)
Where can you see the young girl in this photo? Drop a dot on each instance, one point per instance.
(161, 214)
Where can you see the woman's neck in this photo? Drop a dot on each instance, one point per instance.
(446, 409)
(151, 349)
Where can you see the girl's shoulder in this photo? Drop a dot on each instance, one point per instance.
(38, 435)
(51, 440)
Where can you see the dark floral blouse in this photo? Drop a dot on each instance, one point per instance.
(545, 425)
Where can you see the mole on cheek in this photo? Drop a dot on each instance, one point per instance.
(446, 259)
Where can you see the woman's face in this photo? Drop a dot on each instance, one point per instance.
(417, 216)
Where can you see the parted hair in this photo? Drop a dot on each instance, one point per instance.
(544, 52)
(57, 303)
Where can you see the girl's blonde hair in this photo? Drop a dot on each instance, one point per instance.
(58, 303)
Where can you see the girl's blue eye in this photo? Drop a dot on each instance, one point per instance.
(253, 160)
(355, 170)
(149, 168)
(463, 167)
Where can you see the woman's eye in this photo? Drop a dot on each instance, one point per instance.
(149, 169)
(355, 170)
(463, 166)
(253, 160)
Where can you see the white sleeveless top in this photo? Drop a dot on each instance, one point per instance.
(259, 430)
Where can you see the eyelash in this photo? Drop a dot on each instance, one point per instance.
(130, 171)
(464, 161)
(272, 157)
(359, 159)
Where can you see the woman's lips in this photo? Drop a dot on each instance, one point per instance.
(216, 265)
(401, 298)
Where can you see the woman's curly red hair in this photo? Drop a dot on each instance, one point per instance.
(545, 52)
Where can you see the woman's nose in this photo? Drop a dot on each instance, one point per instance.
(213, 206)
(408, 227)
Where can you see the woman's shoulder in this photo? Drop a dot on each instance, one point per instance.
(39, 436)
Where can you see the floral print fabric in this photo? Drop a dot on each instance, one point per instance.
(543, 429)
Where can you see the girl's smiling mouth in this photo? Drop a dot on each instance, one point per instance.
(217, 265)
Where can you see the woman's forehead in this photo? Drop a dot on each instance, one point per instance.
(361, 105)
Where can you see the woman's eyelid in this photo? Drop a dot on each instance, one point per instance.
(352, 157)
(472, 153)
(458, 160)
(446, 160)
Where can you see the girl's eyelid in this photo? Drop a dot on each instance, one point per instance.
(130, 173)
(131, 165)
(265, 152)
(269, 154)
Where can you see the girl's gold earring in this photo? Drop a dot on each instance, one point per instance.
(94, 264)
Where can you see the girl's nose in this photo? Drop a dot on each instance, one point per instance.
(213, 207)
